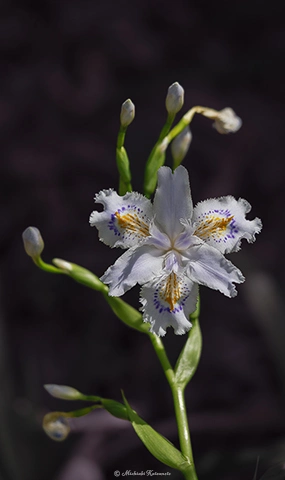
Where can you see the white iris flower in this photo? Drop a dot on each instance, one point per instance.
(172, 247)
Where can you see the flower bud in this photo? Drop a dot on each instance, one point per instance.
(63, 265)
(33, 242)
(227, 121)
(63, 391)
(56, 426)
(157, 160)
(115, 408)
(127, 113)
(180, 145)
(80, 274)
(174, 99)
(123, 165)
(163, 146)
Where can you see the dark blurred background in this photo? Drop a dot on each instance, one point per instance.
(66, 67)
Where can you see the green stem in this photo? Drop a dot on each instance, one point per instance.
(82, 411)
(184, 122)
(157, 155)
(46, 266)
(166, 127)
(123, 163)
(182, 421)
(121, 136)
(162, 356)
(187, 119)
(183, 430)
(190, 474)
(156, 159)
(179, 406)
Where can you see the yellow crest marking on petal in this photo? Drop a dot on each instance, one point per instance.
(170, 290)
(132, 223)
(213, 225)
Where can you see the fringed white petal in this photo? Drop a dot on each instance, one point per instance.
(207, 266)
(221, 223)
(124, 221)
(137, 265)
(168, 301)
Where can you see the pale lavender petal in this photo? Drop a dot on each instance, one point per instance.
(137, 265)
(124, 221)
(157, 238)
(168, 301)
(172, 261)
(172, 201)
(221, 223)
(207, 266)
(186, 238)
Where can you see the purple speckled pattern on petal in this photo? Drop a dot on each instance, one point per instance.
(162, 305)
(216, 225)
(221, 222)
(113, 223)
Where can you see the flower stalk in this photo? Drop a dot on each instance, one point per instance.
(183, 430)
(225, 121)
(123, 164)
(163, 358)
(189, 360)
(231, 120)
(173, 102)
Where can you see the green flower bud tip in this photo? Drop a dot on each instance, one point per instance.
(63, 391)
(33, 242)
(163, 146)
(62, 264)
(56, 426)
(174, 99)
(227, 121)
(181, 144)
(127, 113)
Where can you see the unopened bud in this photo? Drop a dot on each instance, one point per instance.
(163, 145)
(127, 113)
(115, 408)
(80, 274)
(63, 265)
(180, 145)
(63, 392)
(33, 242)
(227, 121)
(56, 426)
(175, 98)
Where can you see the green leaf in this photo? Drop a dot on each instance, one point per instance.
(157, 445)
(188, 360)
